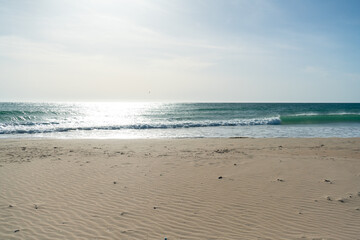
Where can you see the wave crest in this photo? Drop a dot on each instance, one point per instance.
(33, 128)
(320, 118)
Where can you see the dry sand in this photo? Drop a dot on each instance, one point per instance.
(180, 189)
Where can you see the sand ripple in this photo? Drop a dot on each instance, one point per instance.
(106, 189)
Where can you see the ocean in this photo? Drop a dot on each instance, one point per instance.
(178, 120)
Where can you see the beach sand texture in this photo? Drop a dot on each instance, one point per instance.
(180, 189)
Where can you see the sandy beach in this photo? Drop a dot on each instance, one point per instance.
(236, 188)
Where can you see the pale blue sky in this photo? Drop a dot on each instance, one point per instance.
(180, 50)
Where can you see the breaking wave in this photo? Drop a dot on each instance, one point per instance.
(32, 128)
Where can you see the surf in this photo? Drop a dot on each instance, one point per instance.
(32, 127)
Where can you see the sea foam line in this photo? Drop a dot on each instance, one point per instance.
(49, 128)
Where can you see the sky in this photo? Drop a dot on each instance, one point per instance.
(180, 50)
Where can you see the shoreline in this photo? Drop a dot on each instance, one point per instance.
(164, 138)
(188, 188)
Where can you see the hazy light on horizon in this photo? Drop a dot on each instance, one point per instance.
(179, 50)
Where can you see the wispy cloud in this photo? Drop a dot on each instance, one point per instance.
(317, 71)
(140, 44)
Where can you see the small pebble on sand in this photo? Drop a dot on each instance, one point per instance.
(328, 181)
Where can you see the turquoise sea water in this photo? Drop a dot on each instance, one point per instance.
(177, 120)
